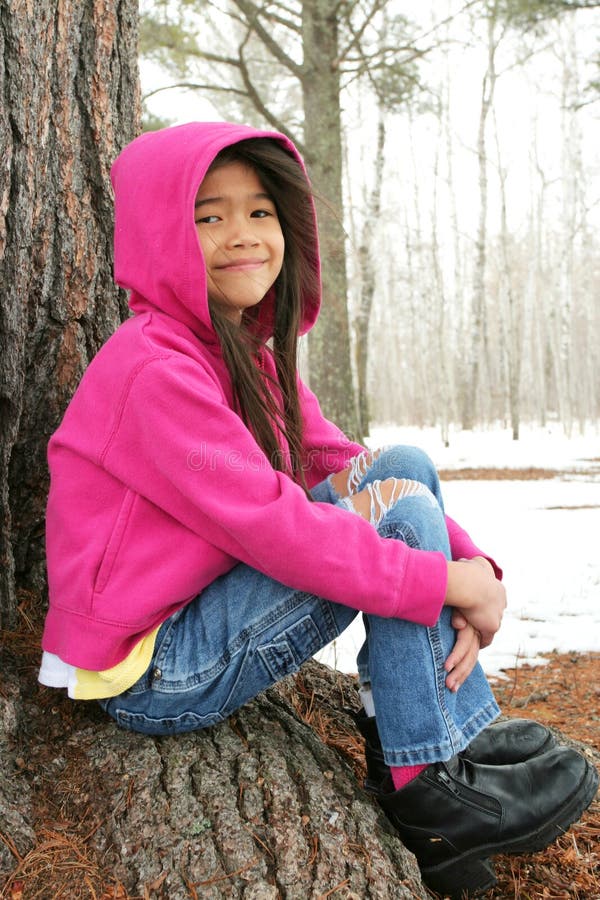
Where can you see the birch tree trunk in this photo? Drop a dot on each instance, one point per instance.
(417, 346)
(441, 366)
(512, 318)
(477, 339)
(366, 253)
(538, 328)
(576, 350)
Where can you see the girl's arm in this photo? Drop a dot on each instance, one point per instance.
(462, 546)
(176, 442)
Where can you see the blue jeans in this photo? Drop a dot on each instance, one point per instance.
(247, 631)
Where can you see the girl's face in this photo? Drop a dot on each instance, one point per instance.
(240, 236)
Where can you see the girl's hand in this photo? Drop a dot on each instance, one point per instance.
(474, 590)
(461, 661)
(482, 561)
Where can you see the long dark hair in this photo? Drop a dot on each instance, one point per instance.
(242, 345)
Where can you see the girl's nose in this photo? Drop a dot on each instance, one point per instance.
(242, 234)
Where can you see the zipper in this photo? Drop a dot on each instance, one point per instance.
(447, 781)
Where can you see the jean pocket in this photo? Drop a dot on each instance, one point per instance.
(287, 652)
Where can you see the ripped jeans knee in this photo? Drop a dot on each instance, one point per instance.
(382, 496)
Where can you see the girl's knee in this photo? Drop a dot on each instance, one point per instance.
(348, 480)
(405, 509)
(378, 498)
(400, 462)
(406, 461)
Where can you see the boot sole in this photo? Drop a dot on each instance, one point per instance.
(562, 820)
(470, 872)
(460, 878)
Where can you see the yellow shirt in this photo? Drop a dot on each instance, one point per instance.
(83, 684)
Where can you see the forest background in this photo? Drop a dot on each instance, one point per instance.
(461, 141)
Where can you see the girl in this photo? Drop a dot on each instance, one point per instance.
(208, 529)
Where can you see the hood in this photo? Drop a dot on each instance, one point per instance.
(158, 257)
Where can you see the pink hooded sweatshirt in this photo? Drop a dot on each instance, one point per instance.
(157, 486)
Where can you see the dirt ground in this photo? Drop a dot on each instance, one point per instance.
(564, 694)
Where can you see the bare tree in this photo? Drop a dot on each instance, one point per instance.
(477, 343)
(511, 301)
(525, 319)
(306, 51)
(366, 257)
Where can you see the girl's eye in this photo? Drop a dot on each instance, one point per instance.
(260, 213)
(207, 220)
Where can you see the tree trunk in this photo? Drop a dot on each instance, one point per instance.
(257, 808)
(367, 253)
(68, 103)
(442, 387)
(511, 319)
(329, 342)
(477, 340)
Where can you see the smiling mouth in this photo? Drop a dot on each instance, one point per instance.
(241, 265)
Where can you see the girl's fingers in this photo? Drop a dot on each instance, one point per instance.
(463, 658)
(458, 620)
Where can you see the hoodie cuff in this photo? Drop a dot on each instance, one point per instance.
(424, 587)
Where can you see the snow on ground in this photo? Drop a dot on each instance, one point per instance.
(545, 534)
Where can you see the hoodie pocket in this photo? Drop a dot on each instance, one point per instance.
(114, 542)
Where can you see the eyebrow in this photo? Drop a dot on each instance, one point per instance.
(207, 200)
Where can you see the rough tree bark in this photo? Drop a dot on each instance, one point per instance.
(85, 809)
(68, 102)
(257, 808)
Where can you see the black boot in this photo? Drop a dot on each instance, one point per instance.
(508, 742)
(503, 743)
(456, 814)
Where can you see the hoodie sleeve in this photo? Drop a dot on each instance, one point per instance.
(462, 546)
(176, 442)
